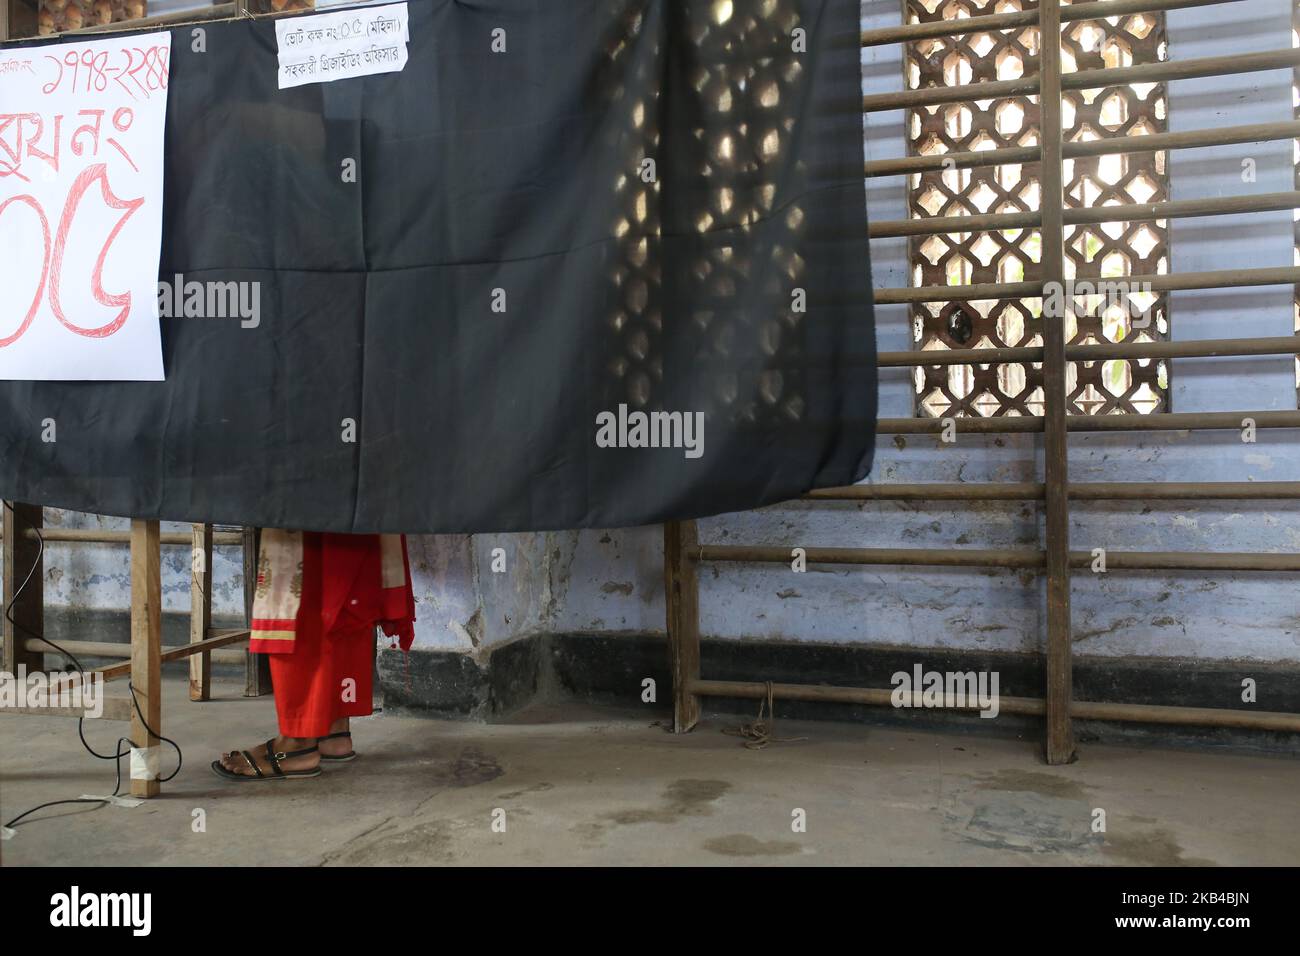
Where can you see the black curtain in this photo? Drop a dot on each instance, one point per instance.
(734, 284)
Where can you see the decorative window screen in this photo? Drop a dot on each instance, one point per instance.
(1103, 251)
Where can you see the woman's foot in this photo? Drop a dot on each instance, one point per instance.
(278, 757)
(337, 745)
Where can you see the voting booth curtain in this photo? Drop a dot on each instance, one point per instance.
(592, 263)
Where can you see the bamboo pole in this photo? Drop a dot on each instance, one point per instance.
(24, 567)
(1166, 70)
(145, 664)
(1161, 72)
(257, 669)
(221, 539)
(1032, 424)
(1185, 208)
(681, 587)
(1202, 348)
(1217, 279)
(1083, 491)
(1128, 212)
(1023, 706)
(1023, 18)
(224, 653)
(177, 652)
(1013, 558)
(1058, 745)
(1150, 143)
(201, 610)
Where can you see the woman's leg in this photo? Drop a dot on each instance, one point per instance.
(352, 661)
(301, 681)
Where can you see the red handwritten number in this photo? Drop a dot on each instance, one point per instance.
(98, 172)
(71, 59)
(53, 85)
(45, 266)
(99, 70)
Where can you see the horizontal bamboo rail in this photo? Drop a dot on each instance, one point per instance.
(1029, 424)
(945, 225)
(225, 539)
(1219, 279)
(1202, 348)
(1020, 706)
(1023, 18)
(1128, 212)
(1150, 143)
(940, 95)
(121, 650)
(1001, 558)
(1163, 71)
(179, 652)
(1084, 491)
(115, 708)
(1166, 70)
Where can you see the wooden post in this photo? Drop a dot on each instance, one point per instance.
(201, 611)
(22, 557)
(1059, 737)
(682, 596)
(257, 669)
(146, 650)
(4, 20)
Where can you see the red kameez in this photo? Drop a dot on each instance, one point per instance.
(328, 673)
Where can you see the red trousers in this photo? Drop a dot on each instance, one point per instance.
(329, 673)
(328, 676)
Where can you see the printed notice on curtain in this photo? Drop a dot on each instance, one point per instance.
(338, 46)
(81, 190)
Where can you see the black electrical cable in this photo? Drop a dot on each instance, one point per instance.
(119, 752)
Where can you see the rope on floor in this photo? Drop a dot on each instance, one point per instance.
(760, 733)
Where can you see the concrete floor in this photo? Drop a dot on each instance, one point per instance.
(584, 786)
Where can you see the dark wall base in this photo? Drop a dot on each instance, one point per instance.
(612, 669)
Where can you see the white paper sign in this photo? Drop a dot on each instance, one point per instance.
(81, 190)
(337, 46)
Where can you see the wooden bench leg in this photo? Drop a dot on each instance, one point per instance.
(201, 611)
(257, 669)
(146, 654)
(682, 594)
(22, 557)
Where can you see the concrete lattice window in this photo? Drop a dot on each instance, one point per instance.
(1093, 252)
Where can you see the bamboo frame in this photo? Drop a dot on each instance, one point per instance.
(683, 552)
(145, 654)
